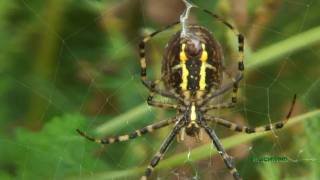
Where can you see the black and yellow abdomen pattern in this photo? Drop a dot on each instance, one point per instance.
(192, 63)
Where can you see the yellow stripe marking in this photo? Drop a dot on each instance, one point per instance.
(158, 154)
(123, 138)
(138, 132)
(233, 127)
(209, 66)
(150, 128)
(260, 129)
(143, 62)
(201, 134)
(225, 156)
(193, 115)
(147, 38)
(182, 134)
(203, 59)
(185, 71)
(111, 140)
(178, 66)
(233, 170)
(271, 126)
(234, 94)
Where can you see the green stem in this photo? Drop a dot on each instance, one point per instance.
(274, 52)
(203, 151)
(263, 57)
(117, 122)
(45, 57)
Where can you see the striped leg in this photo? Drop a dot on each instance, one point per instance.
(249, 130)
(240, 50)
(159, 155)
(132, 135)
(154, 103)
(218, 106)
(222, 90)
(154, 88)
(151, 85)
(143, 63)
(151, 101)
(228, 161)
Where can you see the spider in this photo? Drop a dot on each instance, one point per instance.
(192, 73)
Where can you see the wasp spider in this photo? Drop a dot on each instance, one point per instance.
(192, 76)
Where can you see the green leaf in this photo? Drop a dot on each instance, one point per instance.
(312, 129)
(56, 151)
(270, 171)
(278, 50)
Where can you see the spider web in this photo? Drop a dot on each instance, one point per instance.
(272, 88)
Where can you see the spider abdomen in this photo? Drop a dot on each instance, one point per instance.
(192, 62)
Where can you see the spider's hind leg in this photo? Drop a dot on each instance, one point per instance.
(226, 158)
(164, 147)
(132, 135)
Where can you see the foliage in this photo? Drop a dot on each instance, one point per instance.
(55, 151)
(68, 64)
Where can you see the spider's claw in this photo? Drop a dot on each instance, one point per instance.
(80, 132)
(83, 134)
(292, 106)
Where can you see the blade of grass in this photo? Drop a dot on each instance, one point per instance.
(260, 58)
(46, 57)
(202, 151)
(274, 52)
(117, 122)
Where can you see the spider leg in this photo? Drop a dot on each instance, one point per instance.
(155, 90)
(143, 63)
(240, 50)
(152, 85)
(159, 104)
(165, 105)
(249, 130)
(228, 161)
(217, 106)
(132, 135)
(159, 155)
(222, 90)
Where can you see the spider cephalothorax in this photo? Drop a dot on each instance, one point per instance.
(192, 75)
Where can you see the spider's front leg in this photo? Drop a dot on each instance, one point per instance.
(240, 58)
(153, 85)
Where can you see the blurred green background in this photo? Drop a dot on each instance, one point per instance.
(68, 64)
